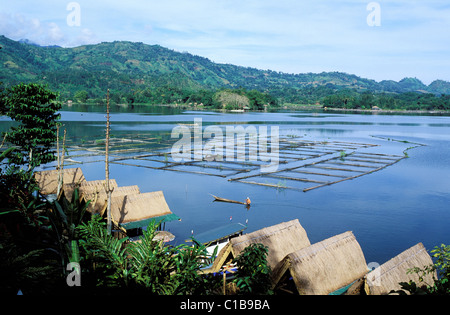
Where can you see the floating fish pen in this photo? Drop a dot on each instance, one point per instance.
(323, 172)
(300, 164)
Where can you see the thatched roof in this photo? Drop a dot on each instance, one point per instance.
(281, 239)
(48, 180)
(89, 188)
(139, 207)
(101, 204)
(96, 193)
(324, 267)
(129, 207)
(387, 277)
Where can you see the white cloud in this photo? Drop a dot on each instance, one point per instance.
(18, 26)
(54, 33)
(85, 37)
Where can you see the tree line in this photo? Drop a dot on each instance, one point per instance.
(216, 99)
(348, 99)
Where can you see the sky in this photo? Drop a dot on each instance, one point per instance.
(379, 40)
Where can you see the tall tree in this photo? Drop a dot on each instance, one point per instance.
(36, 108)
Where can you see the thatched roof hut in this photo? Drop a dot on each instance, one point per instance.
(324, 267)
(129, 208)
(281, 239)
(48, 180)
(88, 189)
(137, 210)
(96, 193)
(387, 277)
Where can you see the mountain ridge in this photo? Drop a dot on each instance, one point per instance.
(130, 67)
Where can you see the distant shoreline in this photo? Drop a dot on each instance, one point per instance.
(359, 110)
(290, 107)
(390, 111)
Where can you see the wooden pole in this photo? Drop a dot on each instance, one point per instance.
(58, 165)
(107, 188)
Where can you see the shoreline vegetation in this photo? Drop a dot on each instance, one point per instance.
(284, 107)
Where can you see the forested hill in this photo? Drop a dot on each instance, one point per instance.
(140, 72)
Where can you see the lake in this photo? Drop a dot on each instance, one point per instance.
(388, 210)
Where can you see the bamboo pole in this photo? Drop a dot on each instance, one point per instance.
(107, 188)
(269, 185)
(337, 169)
(353, 164)
(319, 174)
(368, 160)
(306, 180)
(60, 165)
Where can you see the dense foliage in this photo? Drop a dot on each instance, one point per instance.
(151, 74)
(148, 266)
(223, 98)
(348, 99)
(253, 273)
(29, 248)
(35, 107)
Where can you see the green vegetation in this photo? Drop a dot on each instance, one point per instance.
(253, 274)
(348, 99)
(28, 244)
(150, 74)
(116, 265)
(35, 107)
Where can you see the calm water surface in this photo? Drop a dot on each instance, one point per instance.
(388, 211)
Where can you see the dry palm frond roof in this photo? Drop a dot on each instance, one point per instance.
(88, 189)
(98, 196)
(281, 239)
(139, 207)
(48, 180)
(387, 277)
(324, 267)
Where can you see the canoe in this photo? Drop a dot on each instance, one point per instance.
(227, 200)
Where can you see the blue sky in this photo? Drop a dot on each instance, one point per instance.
(293, 36)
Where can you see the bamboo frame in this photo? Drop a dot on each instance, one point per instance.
(321, 155)
(353, 177)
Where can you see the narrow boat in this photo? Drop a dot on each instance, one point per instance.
(227, 200)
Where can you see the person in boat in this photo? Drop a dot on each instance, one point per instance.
(248, 201)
